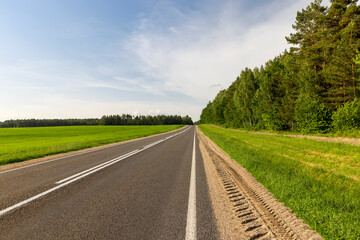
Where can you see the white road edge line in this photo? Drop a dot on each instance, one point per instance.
(73, 155)
(86, 173)
(191, 233)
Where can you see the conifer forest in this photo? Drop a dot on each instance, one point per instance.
(313, 87)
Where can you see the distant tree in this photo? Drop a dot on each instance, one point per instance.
(127, 119)
(48, 122)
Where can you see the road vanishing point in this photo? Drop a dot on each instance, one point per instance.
(150, 188)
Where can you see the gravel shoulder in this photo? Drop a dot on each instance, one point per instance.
(243, 208)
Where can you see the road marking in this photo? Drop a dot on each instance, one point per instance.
(85, 173)
(73, 155)
(100, 165)
(191, 214)
(115, 160)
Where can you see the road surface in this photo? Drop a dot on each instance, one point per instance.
(152, 188)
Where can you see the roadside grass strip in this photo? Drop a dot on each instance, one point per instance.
(80, 175)
(319, 181)
(21, 144)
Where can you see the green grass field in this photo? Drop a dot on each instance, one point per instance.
(319, 181)
(20, 144)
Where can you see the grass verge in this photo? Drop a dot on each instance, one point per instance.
(354, 133)
(319, 181)
(20, 144)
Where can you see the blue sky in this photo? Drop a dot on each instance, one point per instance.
(88, 58)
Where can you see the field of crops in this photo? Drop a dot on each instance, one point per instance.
(19, 144)
(319, 181)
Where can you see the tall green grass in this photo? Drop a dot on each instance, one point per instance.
(20, 144)
(319, 181)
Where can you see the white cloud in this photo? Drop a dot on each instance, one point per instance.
(208, 50)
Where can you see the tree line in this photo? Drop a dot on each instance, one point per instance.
(127, 119)
(124, 119)
(48, 122)
(313, 87)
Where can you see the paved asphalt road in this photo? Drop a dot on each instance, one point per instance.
(142, 195)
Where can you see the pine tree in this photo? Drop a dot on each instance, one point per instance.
(342, 74)
(310, 39)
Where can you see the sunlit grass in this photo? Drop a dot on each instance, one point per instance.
(319, 181)
(19, 144)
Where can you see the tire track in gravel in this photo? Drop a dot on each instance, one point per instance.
(256, 213)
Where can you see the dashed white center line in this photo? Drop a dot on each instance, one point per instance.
(100, 166)
(191, 214)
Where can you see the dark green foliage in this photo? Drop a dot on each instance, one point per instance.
(347, 117)
(301, 88)
(312, 116)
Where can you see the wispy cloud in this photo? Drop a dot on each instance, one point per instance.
(203, 50)
(126, 85)
(215, 86)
